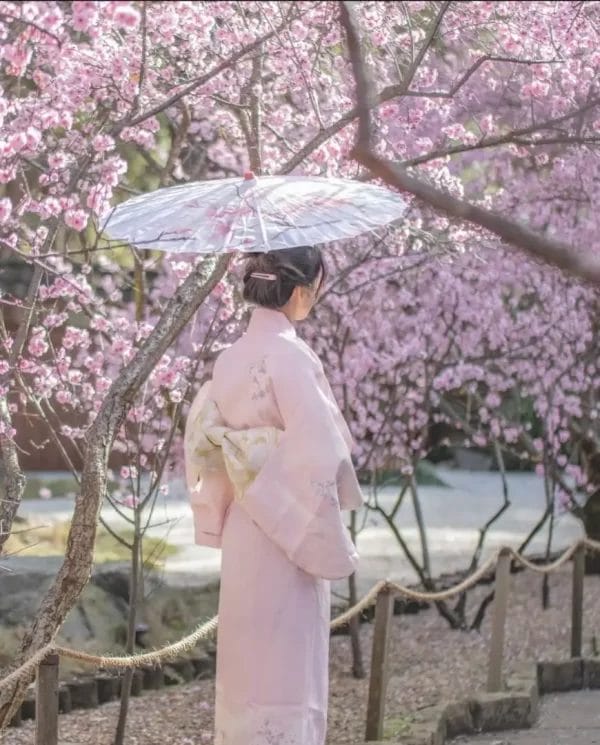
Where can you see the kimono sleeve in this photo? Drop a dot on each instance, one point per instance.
(209, 488)
(295, 496)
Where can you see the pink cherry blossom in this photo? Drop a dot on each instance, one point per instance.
(127, 16)
(5, 209)
(6, 430)
(64, 397)
(76, 219)
(176, 396)
(436, 318)
(38, 345)
(84, 15)
(131, 501)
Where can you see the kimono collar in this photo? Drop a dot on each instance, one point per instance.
(270, 321)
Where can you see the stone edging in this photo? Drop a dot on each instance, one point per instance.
(90, 691)
(517, 707)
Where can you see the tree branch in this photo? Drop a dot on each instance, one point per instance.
(229, 62)
(74, 573)
(514, 234)
(431, 32)
(395, 91)
(513, 136)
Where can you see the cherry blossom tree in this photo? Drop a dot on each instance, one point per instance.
(486, 112)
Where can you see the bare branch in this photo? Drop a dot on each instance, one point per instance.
(33, 25)
(142, 73)
(395, 90)
(177, 142)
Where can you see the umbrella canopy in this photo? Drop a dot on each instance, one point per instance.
(252, 214)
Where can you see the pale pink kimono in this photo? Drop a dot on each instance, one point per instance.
(282, 541)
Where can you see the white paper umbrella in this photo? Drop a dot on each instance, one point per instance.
(252, 214)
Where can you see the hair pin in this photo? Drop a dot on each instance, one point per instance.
(263, 275)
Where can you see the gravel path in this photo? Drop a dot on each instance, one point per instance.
(429, 663)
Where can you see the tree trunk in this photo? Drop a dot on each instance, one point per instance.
(358, 668)
(12, 479)
(591, 523)
(590, 513)
(420, 525)
(131, 621)
(75, 571)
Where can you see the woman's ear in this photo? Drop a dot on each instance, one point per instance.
(296, 299)
(301, 294)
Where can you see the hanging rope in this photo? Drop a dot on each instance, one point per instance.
(208, 628)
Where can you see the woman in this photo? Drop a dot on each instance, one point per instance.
(269, 468)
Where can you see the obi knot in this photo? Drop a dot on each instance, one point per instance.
(243, 452)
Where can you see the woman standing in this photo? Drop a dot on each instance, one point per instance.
(268, 466)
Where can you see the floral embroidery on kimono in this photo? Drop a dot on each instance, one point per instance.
(270, 735)
(260, 379)
(326, 490)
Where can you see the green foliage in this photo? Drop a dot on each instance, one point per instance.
(428, 476)
(395, 727)
(59, 486)
(50, 540)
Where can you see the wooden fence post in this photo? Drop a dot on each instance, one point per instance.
(46, 701)
(577, 601)
(494, 680)
(379, 665)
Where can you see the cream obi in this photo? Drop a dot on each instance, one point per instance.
(243, 452)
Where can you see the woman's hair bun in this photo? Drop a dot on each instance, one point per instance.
(290, 266)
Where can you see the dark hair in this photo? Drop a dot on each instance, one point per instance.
(291, 266)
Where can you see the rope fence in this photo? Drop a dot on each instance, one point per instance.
(381, 594)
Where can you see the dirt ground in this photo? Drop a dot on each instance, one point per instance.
(429, 663)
